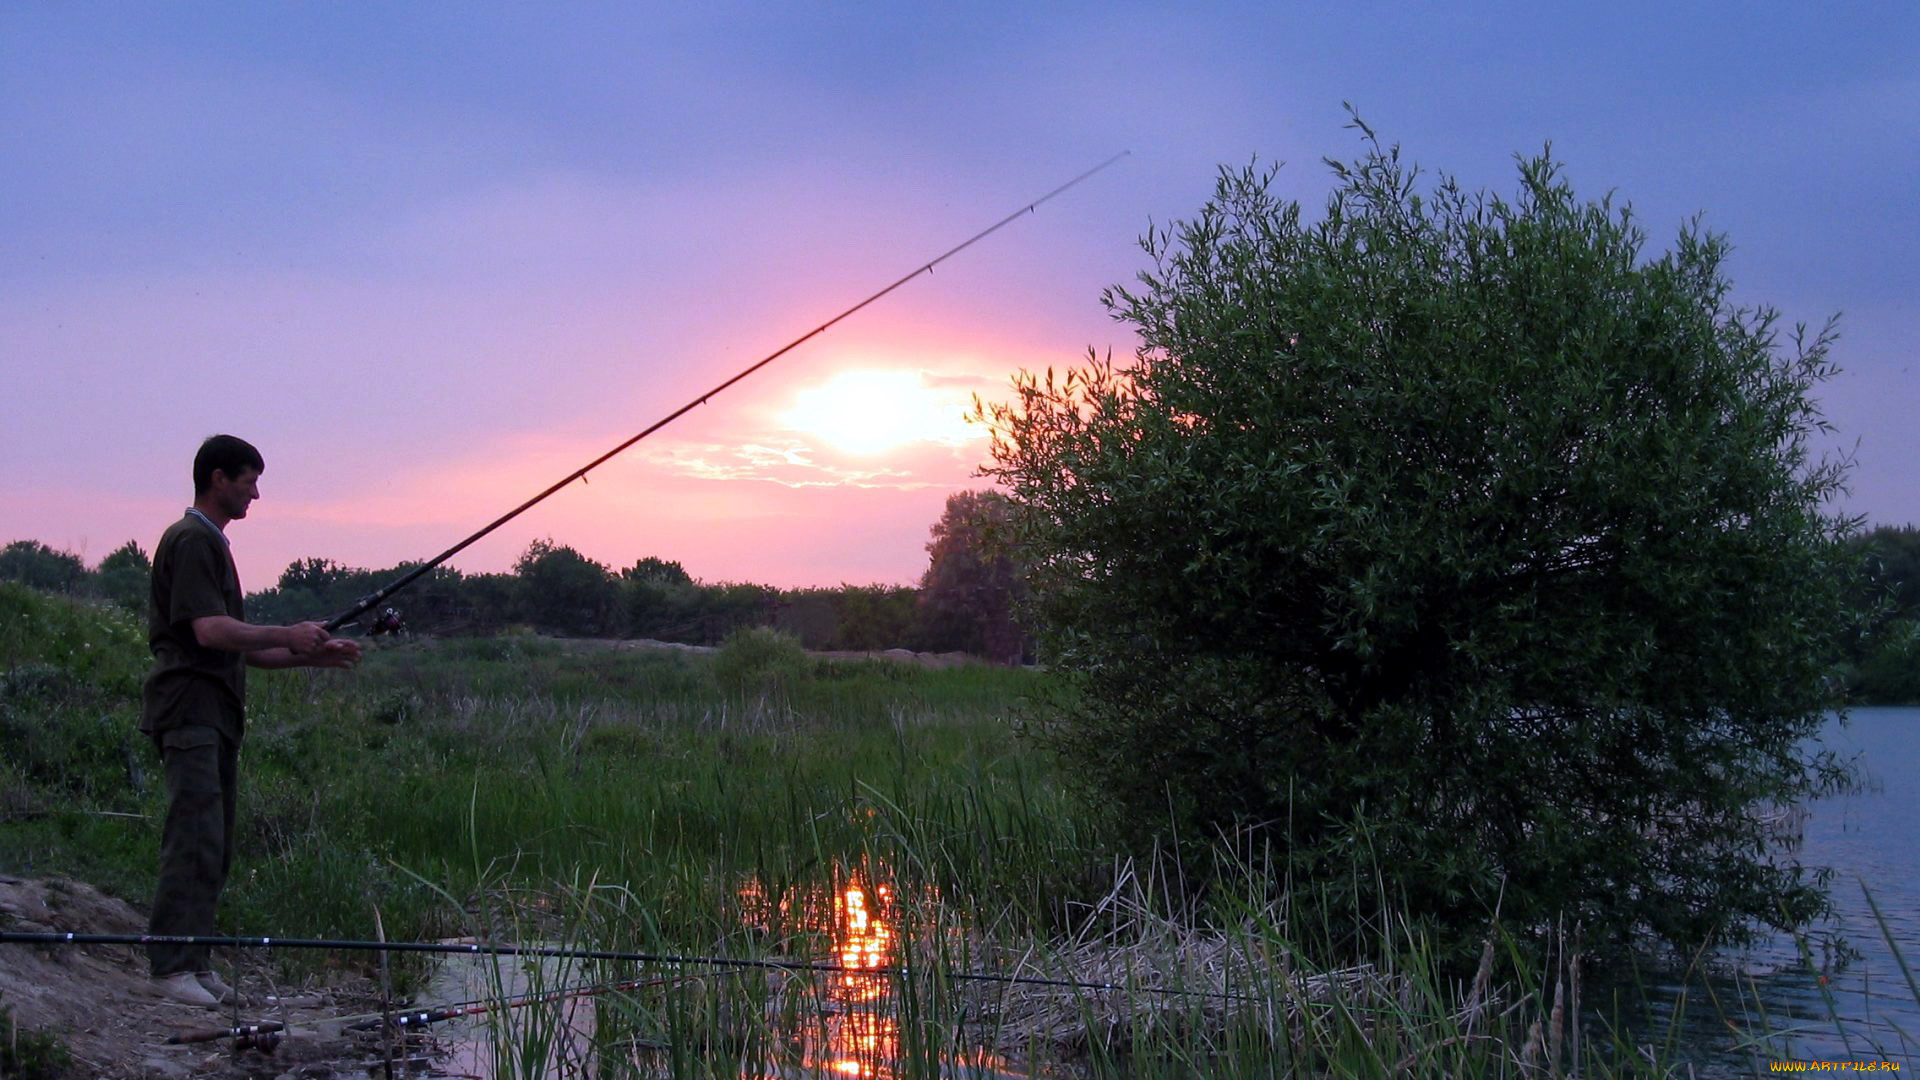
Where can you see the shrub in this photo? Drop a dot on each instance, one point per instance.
(1454, 538)
(759, 660)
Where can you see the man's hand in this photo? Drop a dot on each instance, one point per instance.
(332, 653)
(305, 638)
(335, 653)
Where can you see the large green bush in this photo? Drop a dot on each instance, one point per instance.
(759, 660)
(1458, 550)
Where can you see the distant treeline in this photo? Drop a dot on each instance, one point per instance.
(556, 590)
(965, 602)
(1885, 666)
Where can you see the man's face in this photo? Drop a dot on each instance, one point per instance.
(233, 495)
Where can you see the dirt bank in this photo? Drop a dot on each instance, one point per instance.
(96, 1000)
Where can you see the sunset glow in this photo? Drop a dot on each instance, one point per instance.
(872, 411)
(429, 265)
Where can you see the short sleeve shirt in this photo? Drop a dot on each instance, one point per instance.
(193, 576)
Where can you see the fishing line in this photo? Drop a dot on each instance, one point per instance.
(366, 603)
(416, 1017)
(554, 951)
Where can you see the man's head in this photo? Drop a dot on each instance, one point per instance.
(224, 472)
(228, 453)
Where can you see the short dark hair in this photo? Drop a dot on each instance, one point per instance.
(228, 453)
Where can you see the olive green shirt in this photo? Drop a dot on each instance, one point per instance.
(193, 576)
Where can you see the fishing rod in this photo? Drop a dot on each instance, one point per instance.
(555, 951)
(241, 1031)
(413, 1018)
(367, 603)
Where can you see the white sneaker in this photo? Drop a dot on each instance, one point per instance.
(211, 983)
(182, 987)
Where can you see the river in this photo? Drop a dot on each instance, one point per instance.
(1839, 1010)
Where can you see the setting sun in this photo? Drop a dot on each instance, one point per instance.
(870, 411)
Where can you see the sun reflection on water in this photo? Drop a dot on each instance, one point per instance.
(860, 1033)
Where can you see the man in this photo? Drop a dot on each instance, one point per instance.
(193, 705)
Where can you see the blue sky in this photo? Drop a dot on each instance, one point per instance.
(433, 256)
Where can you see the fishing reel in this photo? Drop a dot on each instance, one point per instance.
(389, 621)
(264, 1041)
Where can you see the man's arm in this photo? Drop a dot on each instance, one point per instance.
(305, 644)
(228, 634)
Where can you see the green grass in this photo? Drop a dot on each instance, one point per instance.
(514, 762)
(520, 789)
(30, 1054)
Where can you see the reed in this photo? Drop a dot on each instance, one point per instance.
(1133, 993)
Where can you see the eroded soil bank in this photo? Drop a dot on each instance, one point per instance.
(97, 1001)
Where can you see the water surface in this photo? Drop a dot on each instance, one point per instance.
(1820, 1001)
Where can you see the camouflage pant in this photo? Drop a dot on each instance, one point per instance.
(196, 843)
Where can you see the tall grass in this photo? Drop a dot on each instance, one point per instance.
(521, 789)
(1135, 992)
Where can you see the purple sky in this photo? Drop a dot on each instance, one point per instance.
(431, 257)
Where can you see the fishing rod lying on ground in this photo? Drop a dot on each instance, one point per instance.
(482, 949)
(411, 1018)
(367, 603)
(264, 1031)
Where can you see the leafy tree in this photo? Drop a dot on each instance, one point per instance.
(665, 610)
(317, 576)
(1886, 668)
(125, 577)
(1460, 537)
(315, 588)
(722, 608)
(1892, 563)
(1889, 671)
(565, 592)
(660, 599)
(810, 616)
(972, 586)
(862, 617)
(487, 602)
(876, 617)
(657, 571)
(440, 601)
(31, 562)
